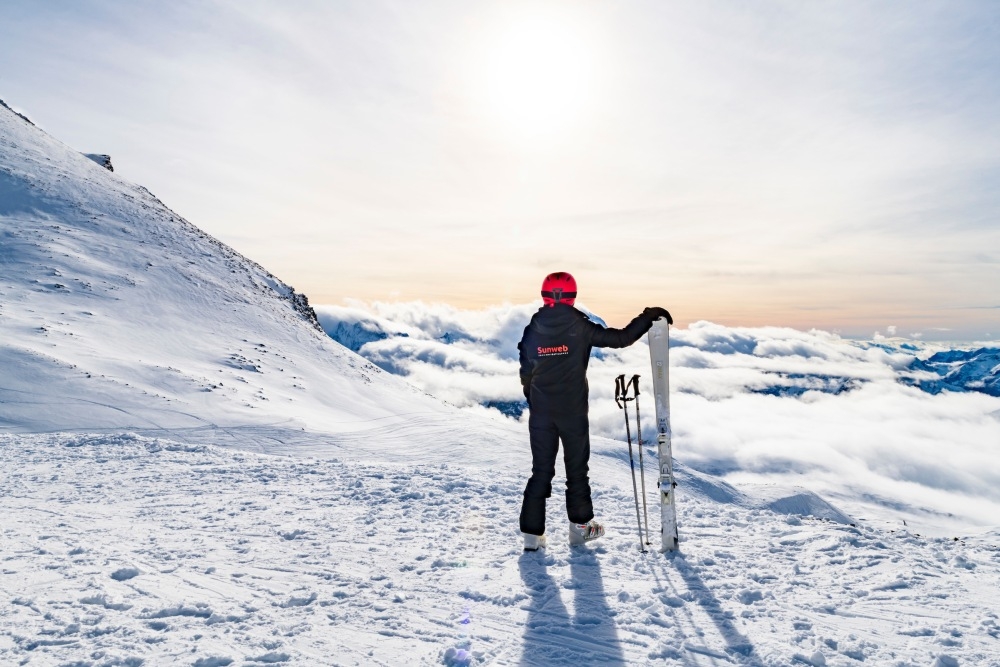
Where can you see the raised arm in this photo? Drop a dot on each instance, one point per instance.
(634, 330)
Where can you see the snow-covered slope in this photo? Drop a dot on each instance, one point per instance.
(115, 312)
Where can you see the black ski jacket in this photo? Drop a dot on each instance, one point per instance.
(555, 350)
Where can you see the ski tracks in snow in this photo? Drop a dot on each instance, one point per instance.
(126, 550)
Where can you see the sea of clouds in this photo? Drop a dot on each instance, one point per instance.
(882, 427)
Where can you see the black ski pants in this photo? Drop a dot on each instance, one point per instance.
(546, 430)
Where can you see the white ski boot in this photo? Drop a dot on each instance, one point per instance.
(533, 542)
(581, 533)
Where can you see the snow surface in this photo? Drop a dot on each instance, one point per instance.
(192, 473)
(121, 548)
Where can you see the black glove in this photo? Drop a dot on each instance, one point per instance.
(655, 313)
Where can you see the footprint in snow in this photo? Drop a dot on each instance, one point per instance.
(213, 661)
(457, 657)
(125, 573)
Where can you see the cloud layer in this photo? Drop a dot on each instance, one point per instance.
(756, 405)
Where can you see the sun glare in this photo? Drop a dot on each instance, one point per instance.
(536, 76)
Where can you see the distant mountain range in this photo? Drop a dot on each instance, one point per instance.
(961, 370)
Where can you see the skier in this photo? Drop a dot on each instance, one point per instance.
(554, 353)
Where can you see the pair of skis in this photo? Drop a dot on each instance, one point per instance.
(659, 354)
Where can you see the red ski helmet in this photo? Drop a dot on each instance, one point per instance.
(559, 287)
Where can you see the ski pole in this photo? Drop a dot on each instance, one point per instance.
(642, 467)
(622, 400)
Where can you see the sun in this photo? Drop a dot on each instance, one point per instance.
(536, 74)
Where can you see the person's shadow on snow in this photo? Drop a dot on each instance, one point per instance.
(738, 645)
(551, 635)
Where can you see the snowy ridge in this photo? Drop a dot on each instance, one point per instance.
(19, 115)
(101, 159)
(116, 312)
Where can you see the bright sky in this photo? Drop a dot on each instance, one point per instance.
(831, 165)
